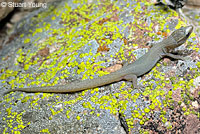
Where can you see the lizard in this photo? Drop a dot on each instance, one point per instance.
(128, 72)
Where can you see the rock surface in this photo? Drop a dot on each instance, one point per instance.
(75, 40)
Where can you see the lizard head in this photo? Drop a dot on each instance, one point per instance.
(181, 35)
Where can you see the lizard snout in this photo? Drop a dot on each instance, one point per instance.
(189, 30)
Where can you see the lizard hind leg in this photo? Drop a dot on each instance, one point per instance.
(133, 78)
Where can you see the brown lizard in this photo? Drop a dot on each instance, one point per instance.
(129, 72)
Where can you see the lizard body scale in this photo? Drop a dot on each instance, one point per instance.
(130, 72)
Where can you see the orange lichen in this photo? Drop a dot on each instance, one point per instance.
(103, 48)
(164, 34)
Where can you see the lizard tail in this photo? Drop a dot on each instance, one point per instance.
(73, 86)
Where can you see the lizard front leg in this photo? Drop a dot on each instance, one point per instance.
(177, 57)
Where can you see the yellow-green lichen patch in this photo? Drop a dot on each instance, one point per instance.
(27, 40)
(70, 102)
(55, 112)
(45, 131)
(88, 105)
(78, 117)
(15, 118)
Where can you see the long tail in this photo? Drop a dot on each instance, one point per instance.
(74, 86)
